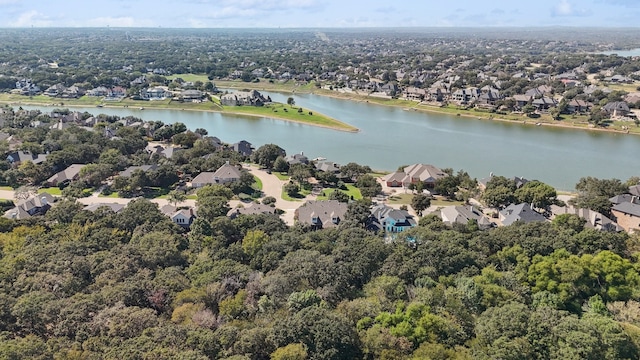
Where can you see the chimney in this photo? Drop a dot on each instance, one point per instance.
(44, 200)
(191, 212)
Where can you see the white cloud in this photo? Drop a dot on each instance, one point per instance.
(123, 21)
(563, 8)
(8, 2)
(32, 18)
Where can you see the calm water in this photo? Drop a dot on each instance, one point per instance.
(627, 53)
(390, 137)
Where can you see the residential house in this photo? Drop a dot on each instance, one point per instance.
(327, 166)
(244, 98)
(131, 169)
(414, 93)
(141, 80)
(621, 79)
(65, 176)
(465, 96)
(72, 92)
(522, 100)
(27, 87)
(616, 109)
(593, 219)
(488, 98)
(390, 220)
(155, 93)
(252, 209)
(463, 214)
(578, 106)
(297, 159)
(117, 92)
(98, 91)
(520, 212)
(243, 147)
(37, 204)
(18, 157)
(321, 214)
(166, 151)
(192, 95)
(179, 216)
(55, 90)
(544, 103)
(627, 215)
(227, 173)
(427, 174)
(114, 207)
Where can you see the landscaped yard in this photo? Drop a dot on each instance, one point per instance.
(352, 191)
(257, 183)
(52, 191)
(281, 176)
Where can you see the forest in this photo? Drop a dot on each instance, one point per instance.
(82, 285)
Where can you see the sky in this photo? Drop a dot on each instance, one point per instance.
(317, 13)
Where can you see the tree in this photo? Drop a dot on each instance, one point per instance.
(537, 193)
(594, 193)
(280, 165)
(368, 185)
(176, 196)
(291, 101)
(295, 351)
(266, 155)
(420, 202)
(253, 241)
(291, 189)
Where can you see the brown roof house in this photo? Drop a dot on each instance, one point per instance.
(321, 214)
(427, 174)
(66, 176)
(227, 173)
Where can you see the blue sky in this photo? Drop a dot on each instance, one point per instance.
(317, 13)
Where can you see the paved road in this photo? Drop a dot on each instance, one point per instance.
(272, 186)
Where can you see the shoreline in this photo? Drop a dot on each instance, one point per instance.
(426, 108)
(346, 127)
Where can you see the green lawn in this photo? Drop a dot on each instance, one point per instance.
(281, 176)
(403, 199)
(112, 195)
(257, 183)
(352, 191)
(7, 188)
(52, 190)
(189, 77)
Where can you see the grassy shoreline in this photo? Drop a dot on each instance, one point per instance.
(275, 111)
(567, 122)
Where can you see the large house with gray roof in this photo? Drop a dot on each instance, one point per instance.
(321, 214)
(390, 220)
(426, 174)
(463, 214)
(520, 212)
(227, 173)
(65, 176)
(37, 204)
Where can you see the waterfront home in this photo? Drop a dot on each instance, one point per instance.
(243, 147)
(321, 214)
(244, 98)
(578, 106)
(616, 109)
(297, 159)
(192, 95)
(390, 220)
(520, 212)
(155, 93)
(413, 174)
(593, 219)
(463, 214)
(55, 90)
(98, 91)
(627, 215)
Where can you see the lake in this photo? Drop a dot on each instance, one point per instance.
(390, 137)
(625, 53)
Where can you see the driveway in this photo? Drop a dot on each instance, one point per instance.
(272, 186)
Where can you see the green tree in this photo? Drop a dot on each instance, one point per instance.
(253, 241)
(175, 197)
(536, 193)
(295, 351)
(291, 101)
(420, 202)
(266, 155)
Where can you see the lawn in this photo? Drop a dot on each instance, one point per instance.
(52, 191)
(403, 199)
(281, 176)
(352, 191)
(189, 77)
(300, 195)
(257, 183)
